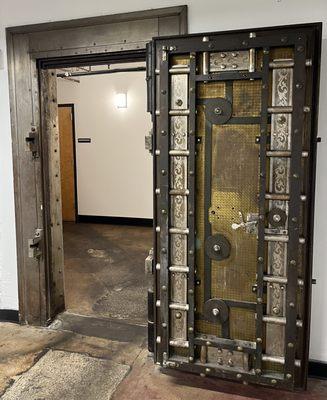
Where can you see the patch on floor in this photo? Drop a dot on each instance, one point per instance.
(60, 375)
(111, 329)
(124, 301)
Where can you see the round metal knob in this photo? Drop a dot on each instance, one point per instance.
(277, 217)
(178, 315)
(218, 111)
(215, 311)
(217, 248)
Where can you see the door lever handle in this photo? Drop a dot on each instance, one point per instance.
(250, 225)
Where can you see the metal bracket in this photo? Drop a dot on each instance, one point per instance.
(34, 250)
(148, 142)
(32, 142)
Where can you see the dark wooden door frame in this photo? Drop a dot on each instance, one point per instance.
(34, 115)
(72, 107)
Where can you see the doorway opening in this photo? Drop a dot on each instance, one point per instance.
(106, 198)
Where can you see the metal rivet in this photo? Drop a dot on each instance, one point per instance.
(192, 89)
(293, 262)
(191, 252)
(178, 315)
(259, 340)
(164, 288)
(163, 212)
(215, 311)
(288, 376)
(190, 212)
(239, 348)
(208, 343)
(163, 172)
(234, 66)
(292, 304)
(300, 49)
(299, 86)
(290, 345)
(164, 250)
(259, 300)
(218, 111)
(163, 132)
(191, 172)
(260, 259)
(163, 91)
(222, 55)
(238, 376)
(179, 102)
(295, 176)
(202, 375)
(164, 325)
(223, 66)
(190, 291)
(264, 86)
(265, 51)
(220, 361)
(258, 371)
(244, 43)
(230, 363)
(208, 369)
(190, 329)
(273, 381)
(283, 39)
(294, 219)
(261, 217)
(210, 45)
(191, 359)
(234, 54)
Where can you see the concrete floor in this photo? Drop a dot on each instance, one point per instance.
(97, 350)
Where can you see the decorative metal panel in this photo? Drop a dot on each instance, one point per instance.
(232, 156)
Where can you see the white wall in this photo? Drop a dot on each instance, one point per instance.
(204, 16)
(114, 171)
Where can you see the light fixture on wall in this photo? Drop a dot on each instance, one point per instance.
(121, 100)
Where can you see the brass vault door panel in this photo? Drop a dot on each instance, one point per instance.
(234, 145)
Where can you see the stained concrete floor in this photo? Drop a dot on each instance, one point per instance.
(104, 270)
(97, 350)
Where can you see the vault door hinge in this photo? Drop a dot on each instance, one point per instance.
(33, 142)
(34, 244)
(148, 142)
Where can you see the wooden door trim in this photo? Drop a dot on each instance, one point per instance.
(72, 107)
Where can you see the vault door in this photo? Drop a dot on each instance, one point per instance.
(234, 147)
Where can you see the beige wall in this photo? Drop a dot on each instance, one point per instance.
(114, 171)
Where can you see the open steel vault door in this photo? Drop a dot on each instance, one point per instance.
(234, 140)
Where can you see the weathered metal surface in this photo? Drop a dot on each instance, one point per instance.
(229, 61)
(243, 191)
(282, 90)
(228, 358)
(95, 37)
(52, 196)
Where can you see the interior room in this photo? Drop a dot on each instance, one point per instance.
(162, 214)
(106, 186)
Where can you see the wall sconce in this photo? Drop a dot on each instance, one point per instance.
(121, 100)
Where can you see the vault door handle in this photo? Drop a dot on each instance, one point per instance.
(250, 225)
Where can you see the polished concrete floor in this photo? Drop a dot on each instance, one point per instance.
(97, 349)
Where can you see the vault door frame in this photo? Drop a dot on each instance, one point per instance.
(34, 125)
